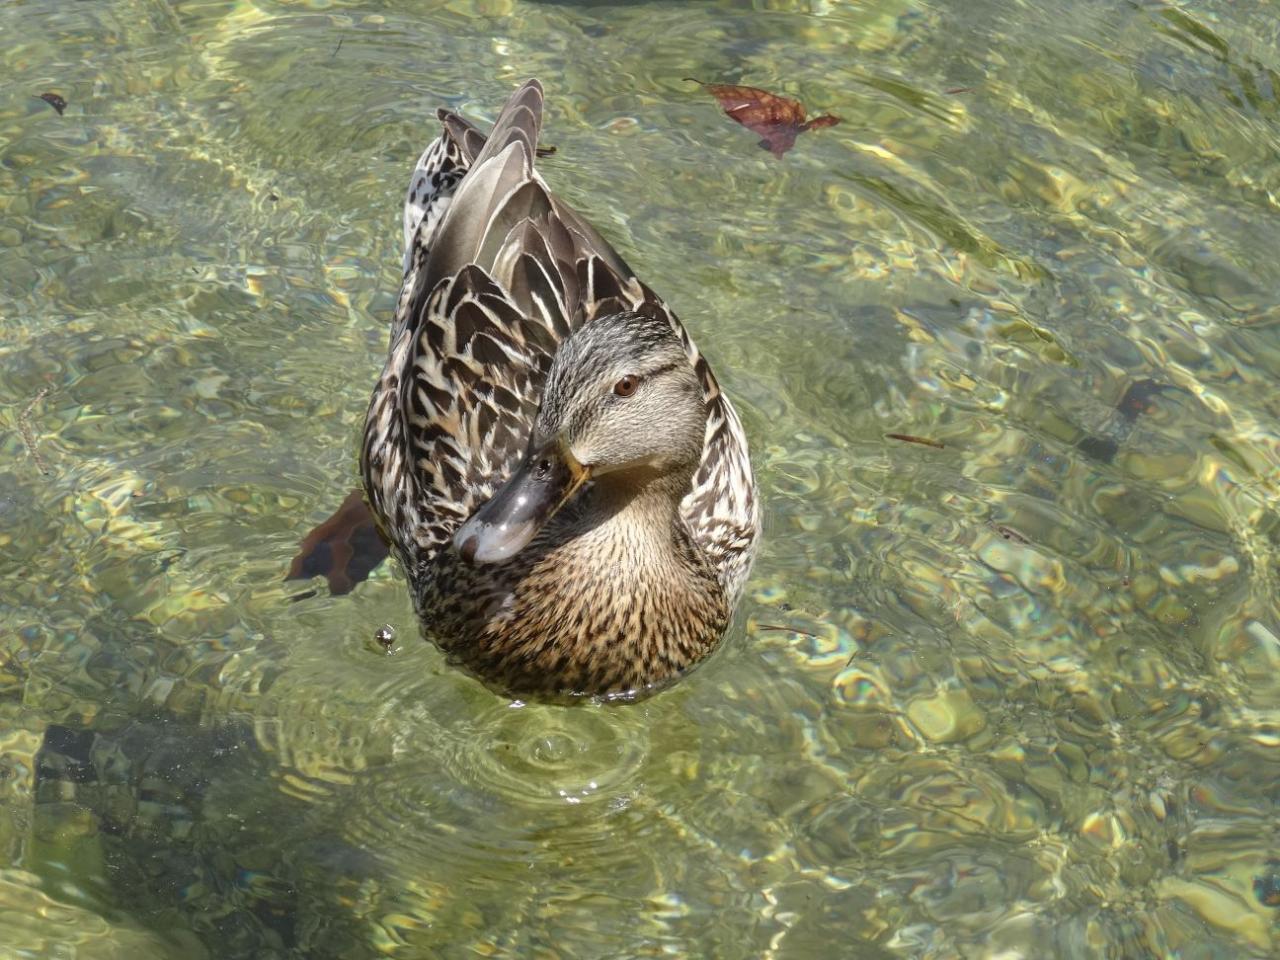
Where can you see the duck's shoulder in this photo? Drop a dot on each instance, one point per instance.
(722, 508)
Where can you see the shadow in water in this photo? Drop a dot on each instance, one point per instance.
(178, 825)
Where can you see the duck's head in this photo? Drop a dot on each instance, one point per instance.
(622, 407)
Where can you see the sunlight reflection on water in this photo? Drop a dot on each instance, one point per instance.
(1011, 693)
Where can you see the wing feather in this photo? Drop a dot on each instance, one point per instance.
(499, 272)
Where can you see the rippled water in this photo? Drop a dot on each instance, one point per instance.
(1016, 695)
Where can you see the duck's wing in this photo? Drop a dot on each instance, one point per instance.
(722, 509)
(491, 289)
(499, 272)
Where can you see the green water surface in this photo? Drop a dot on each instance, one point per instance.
(1012, 695)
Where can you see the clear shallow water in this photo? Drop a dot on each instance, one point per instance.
(1016, 696)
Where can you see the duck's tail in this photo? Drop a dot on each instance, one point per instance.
(499, 192)
(519, 122)
(499, 219)
(459, 148)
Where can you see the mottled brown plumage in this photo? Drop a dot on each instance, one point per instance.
(516, 322)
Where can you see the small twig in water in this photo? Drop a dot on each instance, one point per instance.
(950, 812)
(784, 629)
(337, 48)
(28, 434)
(1009, 533)
(909, 438)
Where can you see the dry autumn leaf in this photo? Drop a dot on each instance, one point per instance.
(777, 120)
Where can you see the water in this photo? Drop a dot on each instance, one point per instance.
(1014, 696)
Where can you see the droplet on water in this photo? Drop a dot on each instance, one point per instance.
(385, 637)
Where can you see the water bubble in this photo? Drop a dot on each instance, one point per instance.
(384, 638)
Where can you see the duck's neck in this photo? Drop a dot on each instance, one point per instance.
(640, 516)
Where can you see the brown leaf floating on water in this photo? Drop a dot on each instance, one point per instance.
(53, 100)
(777, 120)
(908, 438)
(344, 549)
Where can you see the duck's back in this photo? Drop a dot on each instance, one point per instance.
(498, 273)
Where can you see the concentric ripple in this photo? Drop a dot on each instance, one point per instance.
(514, 782)
(542, 755)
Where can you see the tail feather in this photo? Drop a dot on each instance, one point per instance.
(519, 122)
(447, 159)
(499, 190)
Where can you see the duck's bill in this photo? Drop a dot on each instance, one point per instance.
(503, 527)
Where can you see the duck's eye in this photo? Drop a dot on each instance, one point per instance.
(626, 386)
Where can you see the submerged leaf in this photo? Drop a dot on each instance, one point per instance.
(55, 101)
(1138, 398)
(776, 119)
(344, 549)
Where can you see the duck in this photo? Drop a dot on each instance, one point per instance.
(555, 466)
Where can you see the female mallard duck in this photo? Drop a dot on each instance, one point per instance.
(546, 450)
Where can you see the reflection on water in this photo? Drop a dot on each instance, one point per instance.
(1009, 693)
